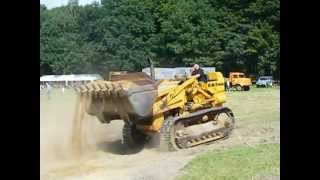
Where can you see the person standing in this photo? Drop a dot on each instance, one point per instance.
(228, 85)
(225, 84)
(48, 90)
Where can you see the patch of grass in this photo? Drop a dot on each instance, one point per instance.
(241, 163)
(259, 107)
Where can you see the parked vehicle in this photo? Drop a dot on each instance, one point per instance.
(264, 81)
(239, 81)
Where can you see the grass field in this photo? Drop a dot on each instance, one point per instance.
(242, 163)
(260, 107)
(258, 117)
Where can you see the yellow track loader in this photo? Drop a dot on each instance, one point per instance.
(182, 113)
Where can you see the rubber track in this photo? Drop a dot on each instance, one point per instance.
(166, 141)
(129, 140)
(165, 136)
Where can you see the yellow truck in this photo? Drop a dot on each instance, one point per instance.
(239, 81)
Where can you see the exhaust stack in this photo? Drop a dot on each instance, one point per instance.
(152, 69)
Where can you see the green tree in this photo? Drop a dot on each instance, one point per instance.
(233, 35)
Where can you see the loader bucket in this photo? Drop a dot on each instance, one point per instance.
(126, 96)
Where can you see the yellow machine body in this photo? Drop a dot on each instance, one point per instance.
(147, 107)
(202, 95)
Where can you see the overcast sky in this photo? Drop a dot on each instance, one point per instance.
(56, 3)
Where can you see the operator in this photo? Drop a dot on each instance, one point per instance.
(198, 73)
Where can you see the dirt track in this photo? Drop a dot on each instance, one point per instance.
(104, 157)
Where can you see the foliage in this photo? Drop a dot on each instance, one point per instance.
(233, 35)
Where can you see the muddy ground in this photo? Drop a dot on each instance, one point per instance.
(257, 121)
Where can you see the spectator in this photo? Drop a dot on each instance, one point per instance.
(49, 90)
(228, 85)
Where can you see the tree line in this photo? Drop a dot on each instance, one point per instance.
(231, 35)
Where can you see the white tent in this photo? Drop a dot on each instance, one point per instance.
(70, 78)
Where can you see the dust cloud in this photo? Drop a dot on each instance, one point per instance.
(74, 145)
(79, 141)
(68, 134)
